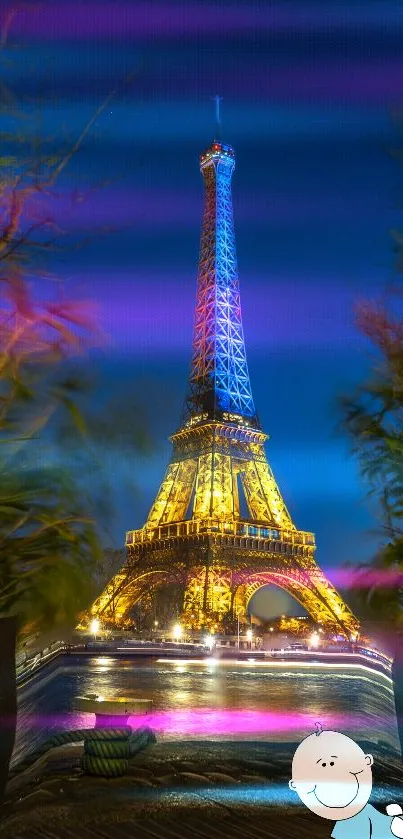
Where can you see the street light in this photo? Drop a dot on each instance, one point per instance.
(177, 632)
(249, 636)
(209, 641)
(314, 639)
(94, 627)
(156, 625)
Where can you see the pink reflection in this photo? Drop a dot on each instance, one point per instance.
(165, 326)
(353, 578)
(219, 722)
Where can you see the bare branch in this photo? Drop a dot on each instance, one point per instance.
(64, 162)
(5, 27)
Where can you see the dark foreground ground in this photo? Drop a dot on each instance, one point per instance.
(194, 789)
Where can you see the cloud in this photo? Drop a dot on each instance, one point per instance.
(158, 121)
(140, 19)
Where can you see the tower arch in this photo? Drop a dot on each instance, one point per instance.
(266, 600)
(125, 590)
(329, 611)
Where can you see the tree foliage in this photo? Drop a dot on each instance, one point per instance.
(49, 538)
(374, 415)
(373, 418)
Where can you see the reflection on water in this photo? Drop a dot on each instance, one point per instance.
(213, 699)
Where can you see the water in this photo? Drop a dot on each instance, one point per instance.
(214, 700)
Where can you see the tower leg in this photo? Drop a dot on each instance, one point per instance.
(208, 597)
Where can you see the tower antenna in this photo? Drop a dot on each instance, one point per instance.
(217, 99)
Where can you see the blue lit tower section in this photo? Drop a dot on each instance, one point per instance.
(219, 386)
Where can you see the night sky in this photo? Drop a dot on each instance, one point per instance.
(309, 91)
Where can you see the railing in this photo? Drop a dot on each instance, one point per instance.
(26, 664)
(197, 527)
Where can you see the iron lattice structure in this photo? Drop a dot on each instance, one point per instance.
(219, 377)
(195, 535)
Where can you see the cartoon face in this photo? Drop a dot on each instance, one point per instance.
(332, 775)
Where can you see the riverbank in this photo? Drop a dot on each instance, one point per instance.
(177, 789)
(268, 701)
(38, 661)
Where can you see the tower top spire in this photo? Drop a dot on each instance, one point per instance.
(217, 132)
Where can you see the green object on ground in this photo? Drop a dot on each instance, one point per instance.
(109, 758)
(107, 748)
(104, 767)
(103, 749)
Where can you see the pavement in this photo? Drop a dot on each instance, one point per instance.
(189, 789)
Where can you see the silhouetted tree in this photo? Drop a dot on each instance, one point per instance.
(373, 417)
(49, 538)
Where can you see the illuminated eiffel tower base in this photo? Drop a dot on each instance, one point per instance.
(195, 535)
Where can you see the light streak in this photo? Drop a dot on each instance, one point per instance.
(295, 665)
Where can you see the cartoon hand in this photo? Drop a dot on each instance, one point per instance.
(397, 823)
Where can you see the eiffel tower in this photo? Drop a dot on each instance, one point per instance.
(195, 535)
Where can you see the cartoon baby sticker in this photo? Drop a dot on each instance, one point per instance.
(333, 778)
